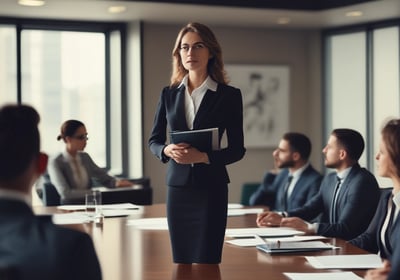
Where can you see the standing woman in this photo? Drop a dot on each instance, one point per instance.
(197, 98)
(381, 237)
(72, 171)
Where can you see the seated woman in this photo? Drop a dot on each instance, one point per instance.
(381, 237)
(72, 171)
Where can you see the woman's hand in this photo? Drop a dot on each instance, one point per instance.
(123, 183)
(185, 154)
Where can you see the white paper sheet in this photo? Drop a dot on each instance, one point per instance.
(71, 218)
(149, 223)
(346, 261)
(103, 206)
(249, 242)
(264, 232)
(323, 276)
(244, 211)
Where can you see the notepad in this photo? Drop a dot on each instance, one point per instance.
(203, 139)
(293, 247)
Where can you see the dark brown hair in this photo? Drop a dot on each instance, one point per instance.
(391, 137)
(215, 67)
(68, 128)
(351, 140)
(19, 139)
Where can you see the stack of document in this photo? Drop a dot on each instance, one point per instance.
(294, 247)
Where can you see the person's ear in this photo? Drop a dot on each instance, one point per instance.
(296, 156)
(43, 159)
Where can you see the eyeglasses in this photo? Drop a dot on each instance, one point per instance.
(194, 47)
(81, 137)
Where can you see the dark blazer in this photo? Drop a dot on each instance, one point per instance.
(273, 187)
(222, 109)
(370, 239)
(38, 249)
(61, 176)
(395, 258)
(356, 204)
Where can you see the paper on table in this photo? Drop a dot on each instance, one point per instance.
(346, 261)
(249, 242)
(265, 232)
(244, 211)
(235, 205)
(149, 223)
(322, 276)
(103, 206)
(70, 218)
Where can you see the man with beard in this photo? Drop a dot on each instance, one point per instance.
(296, 183)
(347, 199)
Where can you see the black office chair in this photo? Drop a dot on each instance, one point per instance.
(47, 191)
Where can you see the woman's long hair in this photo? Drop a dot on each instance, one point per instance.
(215, 67)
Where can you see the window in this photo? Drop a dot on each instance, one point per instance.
(362, 82)
(63, 77)
(69, 70)
(8, 72)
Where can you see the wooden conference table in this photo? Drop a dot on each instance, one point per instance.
(129, 253)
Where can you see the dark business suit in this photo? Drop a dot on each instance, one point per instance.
(395, 258)
(198, 194)
(37, 249)
(273, 186)
(356, 204)
(370, 239)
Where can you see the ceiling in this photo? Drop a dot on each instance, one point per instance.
(246, 13)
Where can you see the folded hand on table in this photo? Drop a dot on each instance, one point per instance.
(379, 273)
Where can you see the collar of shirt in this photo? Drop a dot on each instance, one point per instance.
(296, 175)
(396, 200)
(193, 101)
(343, 174)
(207, 84)
(15, 195)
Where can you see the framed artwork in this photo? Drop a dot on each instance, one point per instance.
(265, 91)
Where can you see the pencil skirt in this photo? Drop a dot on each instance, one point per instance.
(197, 222)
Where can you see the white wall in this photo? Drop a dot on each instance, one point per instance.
(300, 50)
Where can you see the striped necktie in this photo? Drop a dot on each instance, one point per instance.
(285, 198)
(334, 201)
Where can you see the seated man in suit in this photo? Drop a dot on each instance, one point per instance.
(32, 247)
(347, 199)
(296, 183)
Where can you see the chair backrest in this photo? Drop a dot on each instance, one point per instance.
(247, 190)
(50, 196)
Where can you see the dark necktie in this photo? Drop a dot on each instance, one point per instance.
(285, 193)
(334, 201)
(389, 225)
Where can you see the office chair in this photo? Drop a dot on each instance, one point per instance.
(247, 190)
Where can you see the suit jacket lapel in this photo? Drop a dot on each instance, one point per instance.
(179, 123)
(202, 113)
